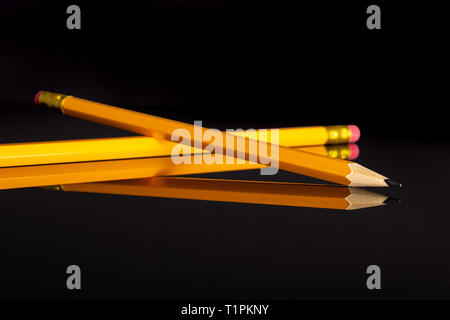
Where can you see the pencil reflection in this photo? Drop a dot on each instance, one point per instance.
(151, 177)
(94, 171)
(108, 170)
(255, 192)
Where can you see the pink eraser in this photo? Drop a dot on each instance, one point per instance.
(355, 133)
(36, 97)
(354, 151)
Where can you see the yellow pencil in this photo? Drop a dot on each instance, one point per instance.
(35, 153)
(317, 166)
(255, 192)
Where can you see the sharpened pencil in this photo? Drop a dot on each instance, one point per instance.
(321, 167)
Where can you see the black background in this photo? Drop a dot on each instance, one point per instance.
(231, 64)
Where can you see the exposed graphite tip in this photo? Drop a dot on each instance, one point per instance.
(392, 183)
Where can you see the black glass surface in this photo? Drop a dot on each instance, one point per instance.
(246, 65)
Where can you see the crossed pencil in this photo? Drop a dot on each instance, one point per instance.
(312, 151)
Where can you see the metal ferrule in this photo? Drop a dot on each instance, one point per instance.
(338, 134)
(52, 100)
(338, 151)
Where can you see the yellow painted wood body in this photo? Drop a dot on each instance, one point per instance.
(295, 137)
(36, 153)
(300, 162)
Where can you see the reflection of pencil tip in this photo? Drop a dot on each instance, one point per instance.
(361, 198)
(392, 200)
(392, 183)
